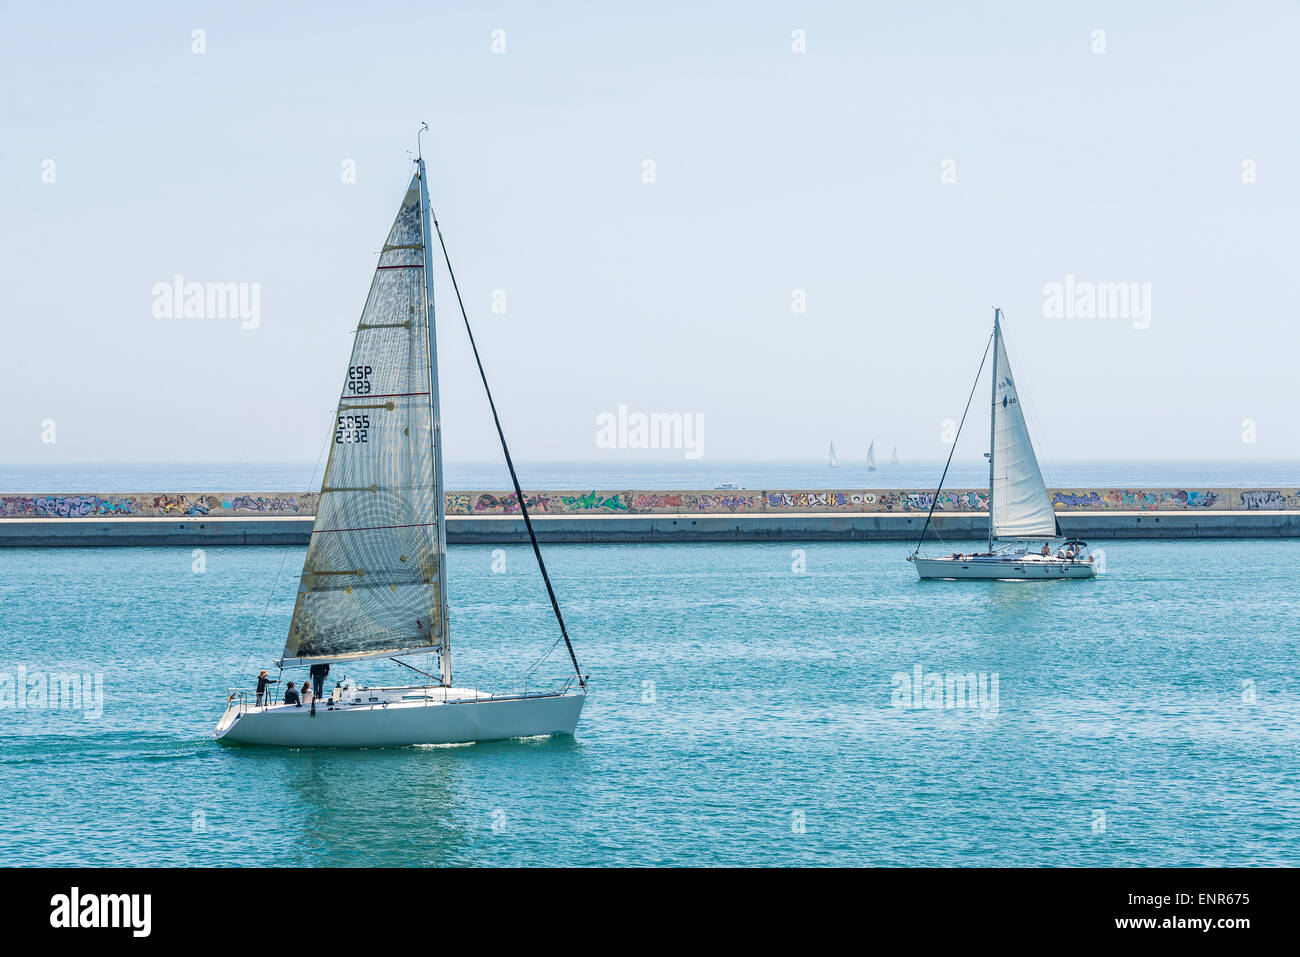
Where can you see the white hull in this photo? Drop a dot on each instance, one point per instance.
(398, 717)
(1004, 567)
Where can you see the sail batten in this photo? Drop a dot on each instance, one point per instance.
(370, 584)
(1021, 507)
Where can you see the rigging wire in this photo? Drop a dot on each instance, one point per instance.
(528, 672)
(934, 504)
(519, 493)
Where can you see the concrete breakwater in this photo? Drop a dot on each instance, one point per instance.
(492, 517)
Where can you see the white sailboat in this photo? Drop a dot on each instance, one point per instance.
(835, 462)
(871, 457)
(893, 459)
(374, 581)
(1020, 510)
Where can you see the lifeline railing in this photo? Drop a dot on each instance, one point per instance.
(244, 700)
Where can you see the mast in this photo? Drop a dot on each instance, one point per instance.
(444, 655)
(993, 414)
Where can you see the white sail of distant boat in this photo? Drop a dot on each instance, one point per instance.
(893, 459)
(1020, 508)
(373, 583)
(835, 463)
(871, 457)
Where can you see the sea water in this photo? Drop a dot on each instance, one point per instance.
(751, 704)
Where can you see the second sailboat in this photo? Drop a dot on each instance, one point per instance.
(1020, 510)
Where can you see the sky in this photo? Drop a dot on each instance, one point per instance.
(841, 194)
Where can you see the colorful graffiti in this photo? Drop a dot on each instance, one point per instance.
(78, 506)
(593, 501)
(180, 505)
(509, 504)
(262, 503)
(150, 506)
(1082, 500)
(1269, 499)
(649, 502)
(708, 502)
(652, 501)
(1147, 499)
(956, 500)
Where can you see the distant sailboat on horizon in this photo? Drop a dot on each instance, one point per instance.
(1019, 507)
(893, 459)
(835, 463)
(871, 457)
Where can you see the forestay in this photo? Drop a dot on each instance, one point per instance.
(372, 581)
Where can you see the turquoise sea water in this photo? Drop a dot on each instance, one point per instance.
(741, 713)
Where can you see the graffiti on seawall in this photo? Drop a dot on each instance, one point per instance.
(502, 503)
(1150, 499)
(1271, 499)
(162, 505)
(595, 501)
(1141, 499)
(649, 502)
(63, 506)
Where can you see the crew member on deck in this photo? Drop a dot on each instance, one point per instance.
(291, 695)
(263, 679)
(318, 675)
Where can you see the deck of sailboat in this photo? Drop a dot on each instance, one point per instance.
(1012, 566)
(401, 716)
(394, 695)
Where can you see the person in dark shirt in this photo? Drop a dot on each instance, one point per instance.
(318, 674)
(263, 680)
(291, 695)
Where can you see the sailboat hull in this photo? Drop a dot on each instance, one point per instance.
(418, 716)
(1004, 568)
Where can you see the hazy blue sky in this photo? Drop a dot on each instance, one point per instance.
(775, 171)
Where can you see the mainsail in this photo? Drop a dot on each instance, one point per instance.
(871, 457)
(1021, 507)
(834, 461)
(893, 459)
(373, 582)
